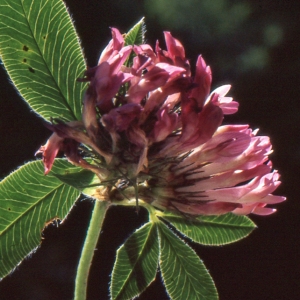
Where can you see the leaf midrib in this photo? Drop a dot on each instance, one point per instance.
(28, 209)
(179, 258)
(42, 56)
(131, 271)
(209, 223)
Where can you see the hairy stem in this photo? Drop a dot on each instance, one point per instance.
(89, 246)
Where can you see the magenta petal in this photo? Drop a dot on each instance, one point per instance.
(202, 80)
(113, 46)
(119, 59)
(140, 63)
(89, 115)
(102, 79)
(201, 128)
(106, 53)
(106, 86)
(228, 143)
(146, 52)
(137, 137)
(227, 105)
(160, 135)
(118, 40)
(232, 195)
(50, 150)
(173, 71)
(120, 118)
(245, 209)
(229, 108)
(223, 180)
(263, 211)
(258, 209)
(273, 199)
(153, 79)
(222, 90)
(165, 124)
(208, 208)
(174, 47)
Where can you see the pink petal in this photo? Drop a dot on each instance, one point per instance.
(224, 180)
(209, 208)
(113, 46)
(263, 211)
(203, 80)
(222, 90)
(89, 115)
(174, 47)
(257, 209)
(198, 128)
(225, 103)
(119, 59)
(153, 79)
(228, 143)
(165, 124)
(173, 71)
(118, 39)
(119, 119)
(50, 150)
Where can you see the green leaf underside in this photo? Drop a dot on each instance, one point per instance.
(41, 53)
(79, 178)
(136, 263)
(28, 202)
(184, 274)
(212, 230)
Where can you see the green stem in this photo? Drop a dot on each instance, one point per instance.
(88, 249)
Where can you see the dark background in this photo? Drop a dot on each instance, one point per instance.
(253, 45)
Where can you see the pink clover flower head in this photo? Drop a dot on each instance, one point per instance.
(153, 130)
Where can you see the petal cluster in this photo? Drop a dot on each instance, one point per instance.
(153, 130)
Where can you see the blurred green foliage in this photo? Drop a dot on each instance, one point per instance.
(229, 30)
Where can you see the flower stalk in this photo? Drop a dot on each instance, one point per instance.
(88, 249)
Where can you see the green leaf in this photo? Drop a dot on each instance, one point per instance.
(28, 202)
(41, 53)
(83, 180)
(184, 274)
(212, 230)
(136, 263)
(136, 35)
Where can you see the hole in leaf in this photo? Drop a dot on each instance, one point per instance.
(24, 60)
(25, 48)
(44, 37)
(31, 70)
(9, 208)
